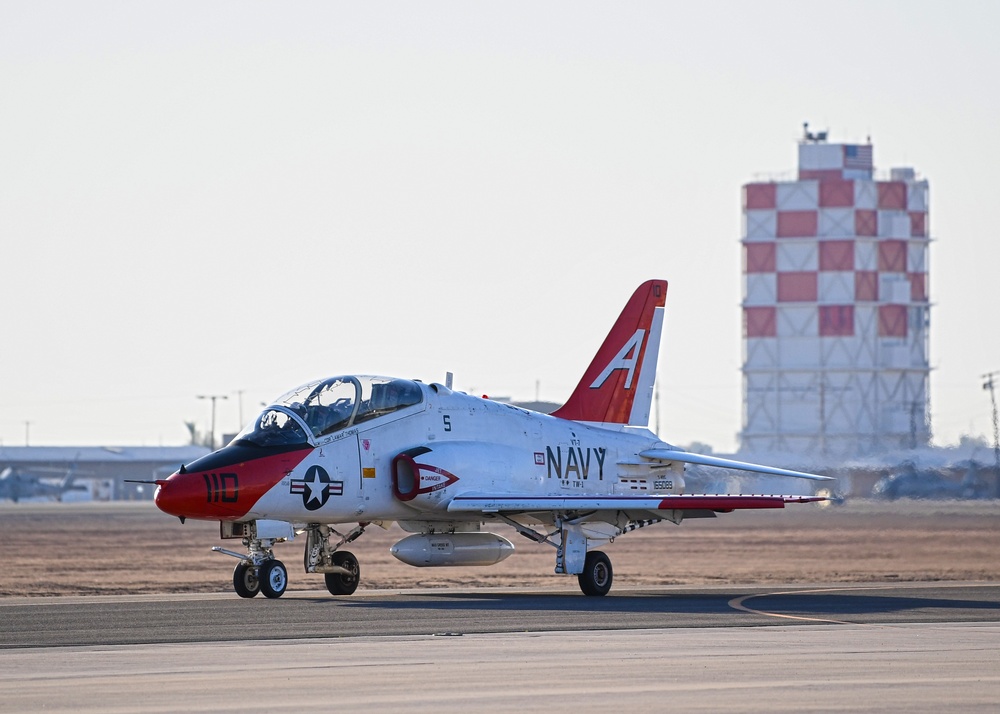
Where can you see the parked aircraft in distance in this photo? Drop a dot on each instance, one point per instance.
(362, 450)
(16, 484)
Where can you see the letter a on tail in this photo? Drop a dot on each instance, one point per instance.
(617, 387)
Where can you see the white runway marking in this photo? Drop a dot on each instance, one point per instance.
(738, 603)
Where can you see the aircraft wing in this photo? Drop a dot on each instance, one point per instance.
(690, 458)
(480, 503)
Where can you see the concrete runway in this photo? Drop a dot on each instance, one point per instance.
(892, 647)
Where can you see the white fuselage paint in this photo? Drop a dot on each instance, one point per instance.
(491, 447)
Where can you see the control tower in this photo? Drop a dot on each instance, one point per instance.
(835, 307)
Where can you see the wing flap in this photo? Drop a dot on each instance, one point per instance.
(506, 503)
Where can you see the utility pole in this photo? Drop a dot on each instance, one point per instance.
(213, 397)
(822, 412)
(239, 395)
(27, 433)
(988, 384)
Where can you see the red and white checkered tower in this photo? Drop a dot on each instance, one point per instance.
(835, 307)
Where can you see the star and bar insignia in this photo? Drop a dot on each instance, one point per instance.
(316, 487)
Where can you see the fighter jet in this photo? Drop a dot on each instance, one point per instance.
(352, 450)
(16, 484)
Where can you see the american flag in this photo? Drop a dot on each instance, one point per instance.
(857, 156)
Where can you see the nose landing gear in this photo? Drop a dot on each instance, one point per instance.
(270, 578)
(258, 570)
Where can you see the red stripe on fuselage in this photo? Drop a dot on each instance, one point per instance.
(721, 503)
(228, 492)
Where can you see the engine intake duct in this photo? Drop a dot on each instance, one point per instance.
(420, 480)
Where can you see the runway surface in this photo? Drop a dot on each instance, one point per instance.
(39, 622)
(895, 647)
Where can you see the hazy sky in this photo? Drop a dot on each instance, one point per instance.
(216, 197)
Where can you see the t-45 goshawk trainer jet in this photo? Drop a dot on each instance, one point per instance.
(352, 450)
(17, 483)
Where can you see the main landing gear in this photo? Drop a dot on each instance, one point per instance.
(592, 568)
(339, 567)
(597, 574)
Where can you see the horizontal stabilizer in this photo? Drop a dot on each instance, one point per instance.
(694, 502)
(689, 458)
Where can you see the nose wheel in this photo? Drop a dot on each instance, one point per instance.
(270, 578)
(245, 581)
(273, 578)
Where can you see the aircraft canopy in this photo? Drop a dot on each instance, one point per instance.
(325, 406)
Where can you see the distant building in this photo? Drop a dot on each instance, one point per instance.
(835, 307)
(102, 469)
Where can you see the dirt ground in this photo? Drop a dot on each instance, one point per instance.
(52, 549)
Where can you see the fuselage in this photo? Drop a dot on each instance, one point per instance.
(399, 463)
(441, 464)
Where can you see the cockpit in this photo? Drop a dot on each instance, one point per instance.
(323, 407)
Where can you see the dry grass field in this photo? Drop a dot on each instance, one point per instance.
(52, 549)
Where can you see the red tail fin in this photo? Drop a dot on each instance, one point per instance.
(617, 388)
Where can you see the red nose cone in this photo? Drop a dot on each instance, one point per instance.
(205, 495)
(160, 499)
(180, 496)
(225, 485)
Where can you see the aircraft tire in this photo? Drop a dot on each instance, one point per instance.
(339, 584)
(245, 581)
(273, 578)
(597, 574)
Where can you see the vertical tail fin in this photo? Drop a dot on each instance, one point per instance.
(67, 481)
(617, 387)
